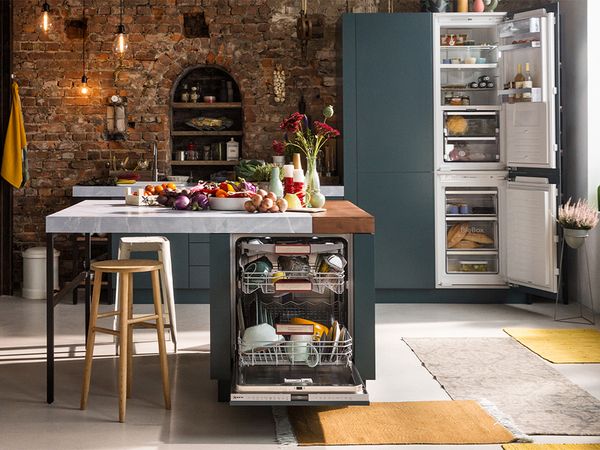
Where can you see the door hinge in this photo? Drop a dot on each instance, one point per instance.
(555, 90)
(556, 271)
(555, 147)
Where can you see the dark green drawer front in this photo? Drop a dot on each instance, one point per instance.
(199, 254)
(200, 277)
(199, 237)
(403, 206)
(394, 99)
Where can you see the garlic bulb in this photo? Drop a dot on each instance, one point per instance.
(279, 84)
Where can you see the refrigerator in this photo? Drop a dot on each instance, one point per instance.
(497, 149)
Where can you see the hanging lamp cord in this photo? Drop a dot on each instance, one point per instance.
(121, 13)
(83, 39)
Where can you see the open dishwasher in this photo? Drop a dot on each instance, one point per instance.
(292, 322)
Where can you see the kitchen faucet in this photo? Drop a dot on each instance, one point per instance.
(154, 162)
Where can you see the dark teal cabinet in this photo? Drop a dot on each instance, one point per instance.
(402, 204)
(388, 140)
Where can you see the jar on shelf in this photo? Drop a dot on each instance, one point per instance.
(191, 153)
(185, 94)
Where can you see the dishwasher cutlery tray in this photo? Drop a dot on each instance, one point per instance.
(294, 353)
(299, 281)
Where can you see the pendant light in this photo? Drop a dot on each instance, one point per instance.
(84, 79)
(121, 43)
(45, 23)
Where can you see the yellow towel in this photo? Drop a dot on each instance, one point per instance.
(15, 145)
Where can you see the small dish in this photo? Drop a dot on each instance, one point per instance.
(177, 178)
(227, 204)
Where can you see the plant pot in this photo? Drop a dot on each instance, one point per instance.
(575, 238)
(279, 160)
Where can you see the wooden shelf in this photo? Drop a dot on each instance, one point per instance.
(216, 105)
(204, 163)
(207, 133)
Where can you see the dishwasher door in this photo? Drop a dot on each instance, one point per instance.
(298, 385)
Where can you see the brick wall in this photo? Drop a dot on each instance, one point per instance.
(248, 37)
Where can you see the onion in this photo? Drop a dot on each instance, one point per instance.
(257, 200)
(272, 196)
(283, 204)
(181, 202)
(262, 193)
(274, 209)
(249, 206)
(267, 203)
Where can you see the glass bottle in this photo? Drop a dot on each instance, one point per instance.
(519, 79)
(527, 84)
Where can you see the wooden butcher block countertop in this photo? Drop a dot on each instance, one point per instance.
(343, 217)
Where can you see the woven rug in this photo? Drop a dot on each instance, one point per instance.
(551, 446)
(537, 398)
(438, 422)
(560, 346)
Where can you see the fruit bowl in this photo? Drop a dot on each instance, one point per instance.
(227, 204)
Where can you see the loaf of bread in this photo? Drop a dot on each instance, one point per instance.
(466, 244)
(456, 233)
(480, 238)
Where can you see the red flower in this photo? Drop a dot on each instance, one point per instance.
(278, 147)
(293, 123)
(325, 130)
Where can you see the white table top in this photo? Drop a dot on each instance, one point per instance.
(113, 216)
(119, 191)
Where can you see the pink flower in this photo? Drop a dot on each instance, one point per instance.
(325, 130)
(293, 123)
(278, 147)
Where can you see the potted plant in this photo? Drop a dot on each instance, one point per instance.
(279, 150)
(309, 140)
(577, 219)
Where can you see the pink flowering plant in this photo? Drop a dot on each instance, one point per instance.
(577, 216)
(309, 140)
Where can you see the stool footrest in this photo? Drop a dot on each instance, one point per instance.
(106, 330)
(143, 319)
(107, 314)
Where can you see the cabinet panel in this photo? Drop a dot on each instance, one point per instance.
(199, 254)
(394, 96)
(403, 206)
(199, 277)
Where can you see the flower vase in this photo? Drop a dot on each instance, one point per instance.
(275, 185)
(313, 185)
(575, 238)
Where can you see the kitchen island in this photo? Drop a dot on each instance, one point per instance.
(342, 220)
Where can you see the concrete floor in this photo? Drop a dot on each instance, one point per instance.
(197, 420)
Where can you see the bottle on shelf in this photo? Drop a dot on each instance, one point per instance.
(519, 79)
(233, 150)
(527, 84)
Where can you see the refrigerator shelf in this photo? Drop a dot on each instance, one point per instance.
(472, 251)
(470, 217)
(469, 66)
(470, 138)
(468, 47)
(471, 108)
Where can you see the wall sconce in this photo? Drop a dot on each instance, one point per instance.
(308, 28)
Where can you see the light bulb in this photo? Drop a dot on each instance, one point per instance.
(121, 43)
(84, 86)
(45, 23)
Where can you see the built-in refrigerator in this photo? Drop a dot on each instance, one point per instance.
(497, 149)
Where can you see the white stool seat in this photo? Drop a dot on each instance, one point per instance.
(162, 247)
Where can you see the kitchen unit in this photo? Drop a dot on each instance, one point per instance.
(460, 165)
(332, 368)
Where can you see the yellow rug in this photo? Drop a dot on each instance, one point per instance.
(437, 422)
(560, 346)
(551, 446)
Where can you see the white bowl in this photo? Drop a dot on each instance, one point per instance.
(177, 178)
(227, 204)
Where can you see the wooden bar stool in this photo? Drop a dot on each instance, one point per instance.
(125, 268)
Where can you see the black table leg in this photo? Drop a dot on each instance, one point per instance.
(88, 263)
(49, 317)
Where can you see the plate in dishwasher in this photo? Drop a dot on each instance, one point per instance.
(298, 385)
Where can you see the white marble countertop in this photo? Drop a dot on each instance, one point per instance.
(113, 216)
(119, 191)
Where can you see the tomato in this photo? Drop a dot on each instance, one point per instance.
(171, 186)
(221, 193)
(149, 188)
(158, 189)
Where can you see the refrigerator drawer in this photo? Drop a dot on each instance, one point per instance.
(471, 124)
(471, 150)
(298, 385)
(471, 235)
(468, 263)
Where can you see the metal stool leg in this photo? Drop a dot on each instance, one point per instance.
(89, 352)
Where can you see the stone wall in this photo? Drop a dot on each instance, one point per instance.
(247, 37)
